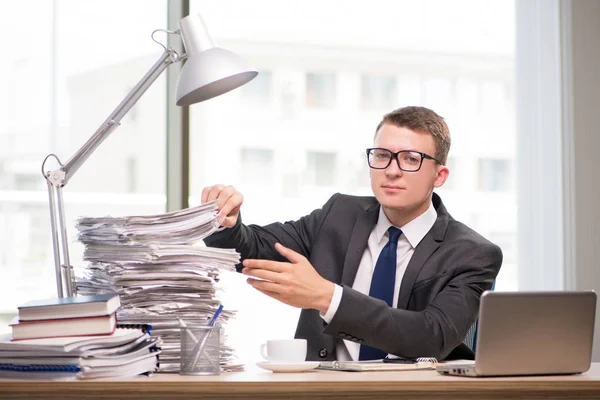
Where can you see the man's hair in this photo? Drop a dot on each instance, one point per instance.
(421, 120)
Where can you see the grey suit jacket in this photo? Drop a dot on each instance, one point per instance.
(439, 294)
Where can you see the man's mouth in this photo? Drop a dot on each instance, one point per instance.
(392, 188)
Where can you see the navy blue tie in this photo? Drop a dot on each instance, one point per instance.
(382, 285)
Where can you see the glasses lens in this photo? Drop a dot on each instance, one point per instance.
(379, 158)
(409, 160)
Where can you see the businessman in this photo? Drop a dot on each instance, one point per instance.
(393, 273)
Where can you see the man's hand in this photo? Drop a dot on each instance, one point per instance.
(229, 201)
(295, 283)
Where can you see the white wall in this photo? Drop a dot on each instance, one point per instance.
(582, 131)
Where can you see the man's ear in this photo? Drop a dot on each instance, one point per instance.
(441, 176)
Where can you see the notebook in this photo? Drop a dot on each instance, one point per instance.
(77, 345)
(130, 351)
(390, 363)
(142, 365)
(531, 333)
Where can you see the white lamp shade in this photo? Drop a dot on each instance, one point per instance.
(211, 73)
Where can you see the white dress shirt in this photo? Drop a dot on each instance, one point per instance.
(412, 234)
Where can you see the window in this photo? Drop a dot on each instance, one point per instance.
(507, 242)
(378, 92)
(257, 165)
(494, 175)
(439, 95)
(320, 90)
(320, 168)
(131, 171)
(409, 90)
(454, 176)
(73, 93)
(259, 90)
(493, 103)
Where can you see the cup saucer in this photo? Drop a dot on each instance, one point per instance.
(288, 366)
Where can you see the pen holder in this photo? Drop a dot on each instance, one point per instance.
(200, 350)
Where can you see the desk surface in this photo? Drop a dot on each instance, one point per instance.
(259, 384)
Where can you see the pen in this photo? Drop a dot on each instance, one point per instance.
(200, 344)
(190, 334)
(214, 317)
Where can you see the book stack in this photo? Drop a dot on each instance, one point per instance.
(76, 338)
(127, 352)
(67, 316)
(162, 272)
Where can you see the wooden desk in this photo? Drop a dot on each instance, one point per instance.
(258, 384)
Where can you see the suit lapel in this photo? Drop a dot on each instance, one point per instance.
(358, 242)
(430, 243)
(423, 251)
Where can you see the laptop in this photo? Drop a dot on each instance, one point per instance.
(531, 333)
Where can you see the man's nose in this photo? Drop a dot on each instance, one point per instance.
(394, 167)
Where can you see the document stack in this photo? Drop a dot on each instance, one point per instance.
(76, 338)
(162, 272)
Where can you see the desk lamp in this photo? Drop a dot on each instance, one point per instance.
(209, 71)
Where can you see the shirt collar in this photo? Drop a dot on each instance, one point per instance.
(414, 231)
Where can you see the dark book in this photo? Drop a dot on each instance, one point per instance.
(70, 307)
(64, 327)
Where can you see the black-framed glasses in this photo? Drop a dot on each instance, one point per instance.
(408, 160)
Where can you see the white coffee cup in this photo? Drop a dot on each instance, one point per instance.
(284, 350)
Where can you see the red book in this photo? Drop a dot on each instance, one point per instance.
(103, 325)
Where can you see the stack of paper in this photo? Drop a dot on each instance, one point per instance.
(178, 227)
(128, 352)
(160, 271)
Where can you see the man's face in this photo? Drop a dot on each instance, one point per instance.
(400, 191)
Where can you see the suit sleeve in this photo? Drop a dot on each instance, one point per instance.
(254, 241)
(435, 330)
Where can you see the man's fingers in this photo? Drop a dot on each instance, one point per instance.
(205, 194)
(267, 265)
(289, 253)
(211, 193)
(229, 202)
(262, 274)
(266, 287)
(231, 208)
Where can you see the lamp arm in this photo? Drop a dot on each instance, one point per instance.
(169, 57)
(58, 178)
